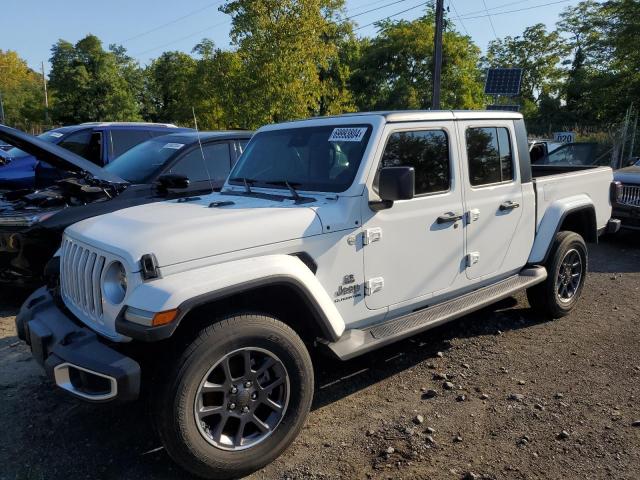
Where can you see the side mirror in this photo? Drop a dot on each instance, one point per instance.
(396, 183)
(172, 181)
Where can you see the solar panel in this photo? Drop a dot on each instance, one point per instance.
(506, 108)
(503, 81)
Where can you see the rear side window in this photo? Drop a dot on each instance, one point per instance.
(123, 140)
(77, 142)
(489, 155)
(217, 158)
(427, 151)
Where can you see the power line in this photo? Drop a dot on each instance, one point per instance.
(181, 38)
(374, 9)
(393, 15)
(171, 22)
(490, 20)
(496, 7)
(452, 3)
(367, 5)
(465, 17)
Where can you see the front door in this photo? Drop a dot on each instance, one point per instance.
(415, 247)
(493, 196)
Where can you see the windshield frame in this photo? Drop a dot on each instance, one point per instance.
(371, 132)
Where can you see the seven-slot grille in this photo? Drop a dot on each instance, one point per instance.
(630, 195)
(80, 272)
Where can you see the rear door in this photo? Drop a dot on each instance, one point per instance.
(493, 195)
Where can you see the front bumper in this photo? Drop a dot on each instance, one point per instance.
(73, 356)
(628, 215)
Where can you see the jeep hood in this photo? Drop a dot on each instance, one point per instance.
(629, 174)
(53, 154)
(182, 231)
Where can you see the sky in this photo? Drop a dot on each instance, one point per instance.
(146, 28)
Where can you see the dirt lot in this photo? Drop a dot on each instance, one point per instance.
(519, 382)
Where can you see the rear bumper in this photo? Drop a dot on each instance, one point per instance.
(73, 356)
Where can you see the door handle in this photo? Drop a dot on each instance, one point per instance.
(449, 217)
(509, 205)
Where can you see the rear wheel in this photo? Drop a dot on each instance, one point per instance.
(566, 269)
(237, 398)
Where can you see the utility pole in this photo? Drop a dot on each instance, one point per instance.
(46, 97)
(437, 55)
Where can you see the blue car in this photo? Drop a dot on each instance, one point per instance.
(99, 142)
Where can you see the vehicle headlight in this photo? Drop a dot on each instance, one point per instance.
(114, 283)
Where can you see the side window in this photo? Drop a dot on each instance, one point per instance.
(123, 140)
(427, 151)
(78, 142)
(489, 155)
(217, 158)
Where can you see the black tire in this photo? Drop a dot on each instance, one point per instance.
(184, 437)
(544, 297)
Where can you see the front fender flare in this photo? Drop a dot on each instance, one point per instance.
(189, 289)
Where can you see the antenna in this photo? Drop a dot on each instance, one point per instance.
(204, 162)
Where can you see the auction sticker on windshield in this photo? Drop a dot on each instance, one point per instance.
(174, 146)
(55, 134)
(347, 134)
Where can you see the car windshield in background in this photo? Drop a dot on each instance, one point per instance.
(51, 136)
(142, 162)
(323, 159)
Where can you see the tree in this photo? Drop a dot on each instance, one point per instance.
(539, 53)
(395, 70)
(288, 55)
(21, 91)
(169, 83)
(89, 84)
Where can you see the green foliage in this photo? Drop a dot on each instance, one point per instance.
(21, 91)
(169, 88)
(538, 53)
(91, 84)
(395, 68)
(288, 56)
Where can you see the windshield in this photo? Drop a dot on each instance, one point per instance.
(140, 163)
(52, 136)
(322, 158)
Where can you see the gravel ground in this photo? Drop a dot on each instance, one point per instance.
(528, 398)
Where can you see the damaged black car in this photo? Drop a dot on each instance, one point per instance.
(166, 167)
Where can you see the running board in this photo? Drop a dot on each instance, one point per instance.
(355, 342)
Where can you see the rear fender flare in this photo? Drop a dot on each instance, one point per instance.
(550, 224)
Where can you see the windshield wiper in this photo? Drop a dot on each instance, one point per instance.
(289, 185)
(246, 181)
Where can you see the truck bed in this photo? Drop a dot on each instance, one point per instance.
(564, 181)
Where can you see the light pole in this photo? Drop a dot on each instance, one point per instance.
(2, 119)
(437, 55)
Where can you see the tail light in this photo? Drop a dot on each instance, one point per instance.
(616, 192)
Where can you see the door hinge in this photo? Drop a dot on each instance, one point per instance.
(373, 285)
(371, 235)
(473, 215)
(472, 258)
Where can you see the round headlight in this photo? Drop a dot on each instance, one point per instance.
(114, 283)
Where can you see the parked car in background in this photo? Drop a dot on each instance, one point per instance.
(539, 148)
(626, 202)
(576, 154)
(100, 143)
(165, 167)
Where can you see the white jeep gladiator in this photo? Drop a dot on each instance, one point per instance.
(341, 234)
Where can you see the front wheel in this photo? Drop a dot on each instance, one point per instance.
(566, 269)
(237, 398)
